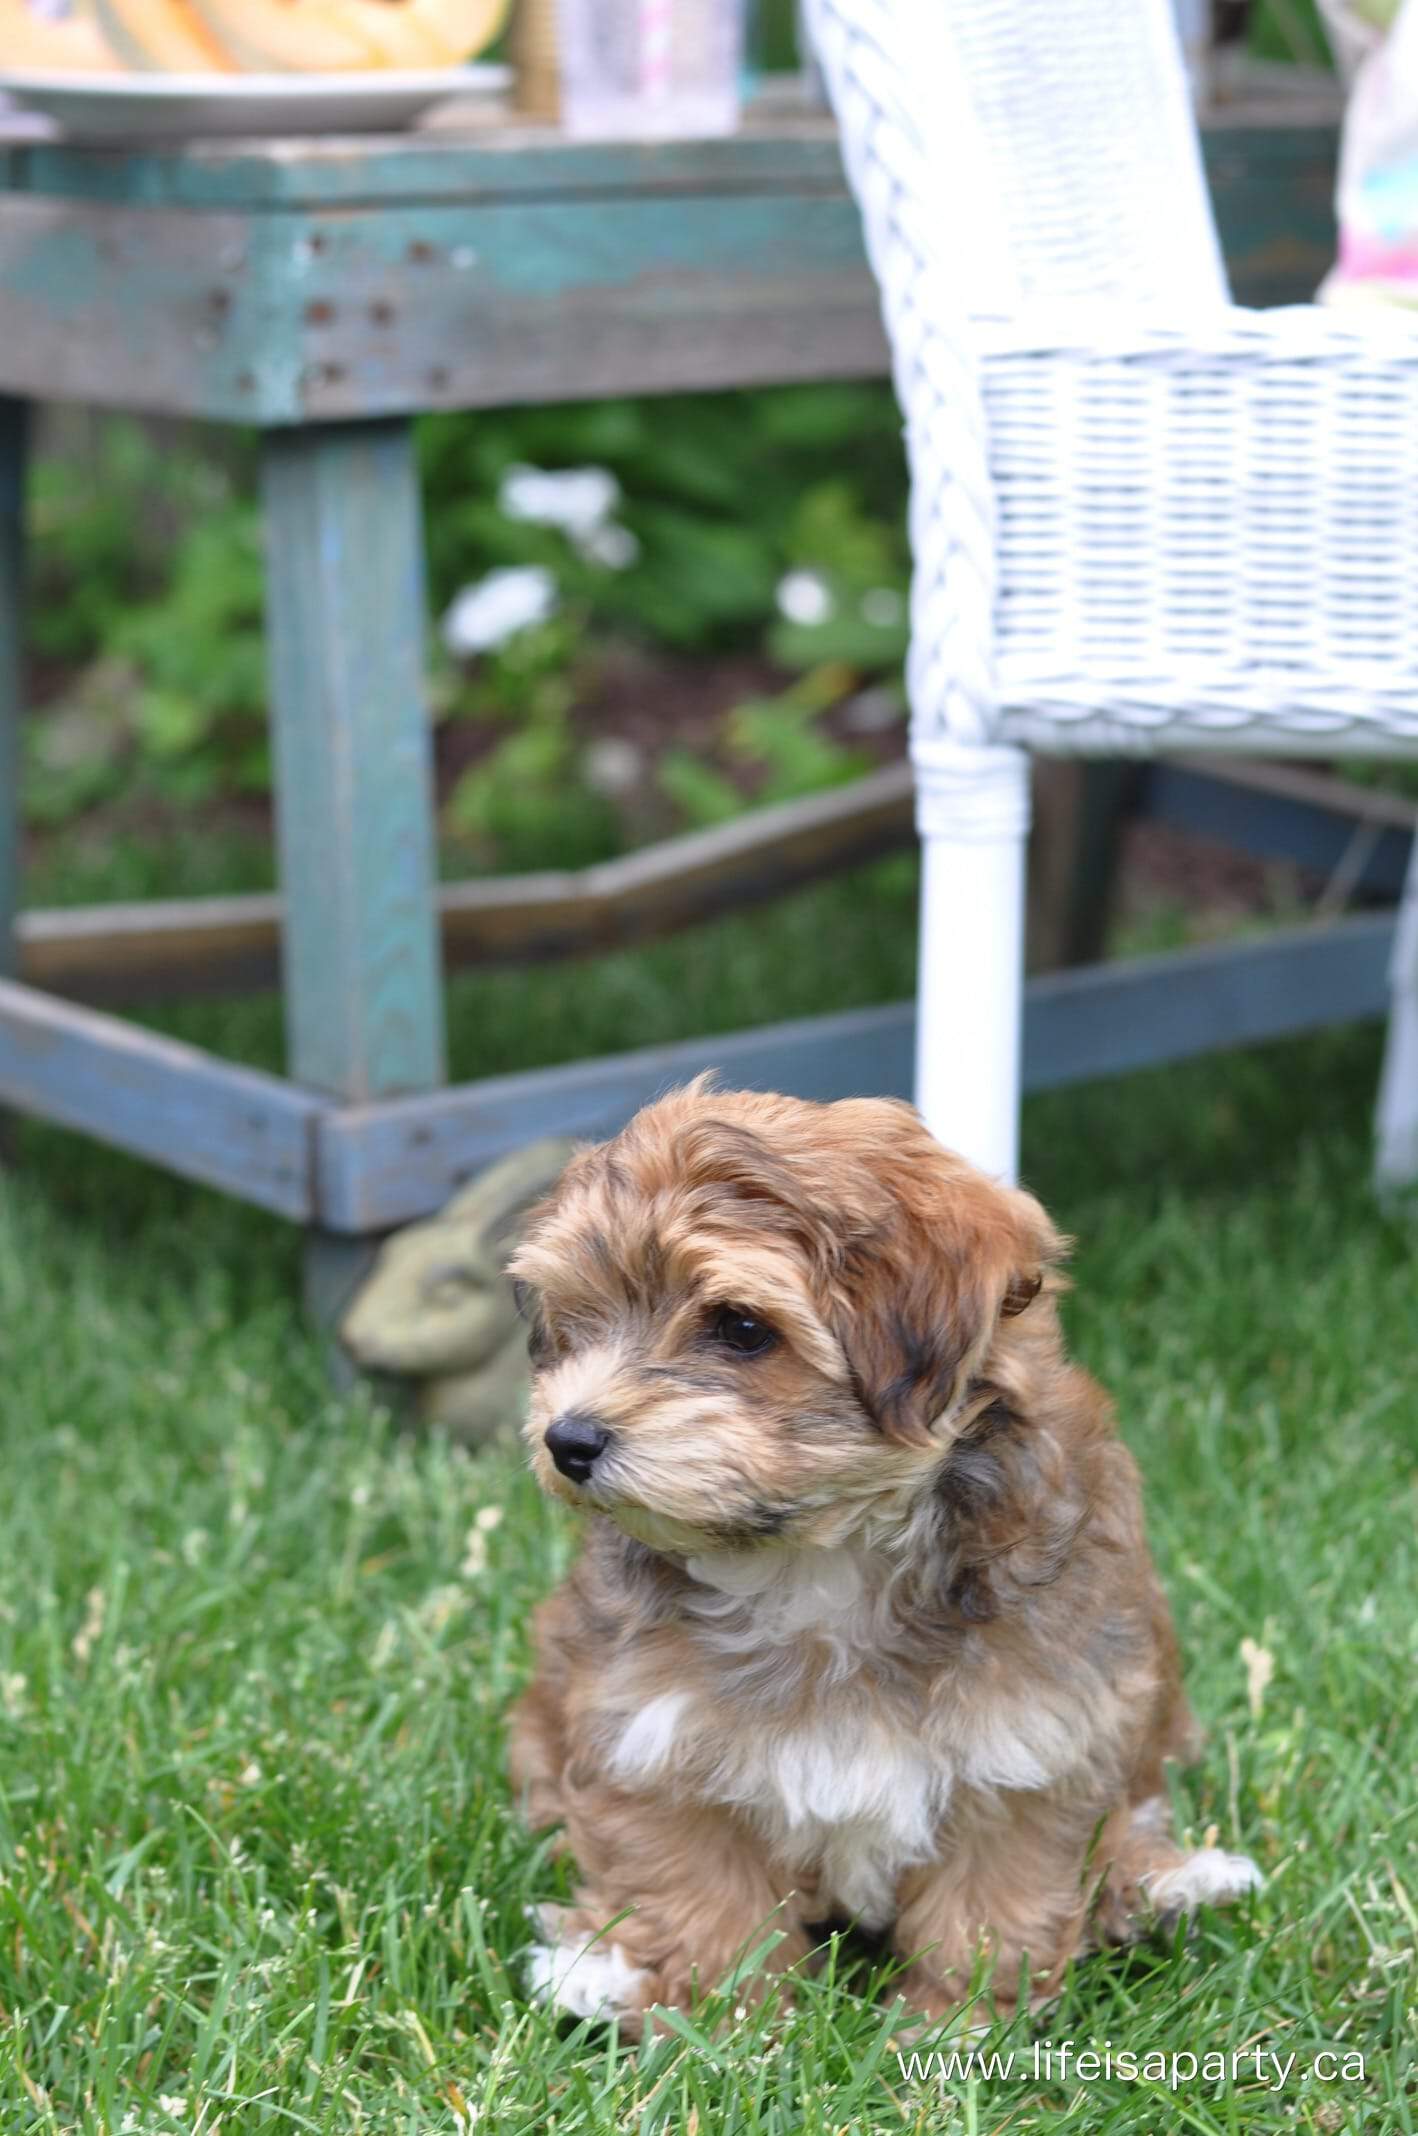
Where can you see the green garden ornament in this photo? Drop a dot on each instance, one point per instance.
(437, 1309)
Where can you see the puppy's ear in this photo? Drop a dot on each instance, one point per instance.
(927, 1293)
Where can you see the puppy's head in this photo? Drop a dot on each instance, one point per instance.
(756, 1319)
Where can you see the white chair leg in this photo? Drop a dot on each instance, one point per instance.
(1396, 1153)
(973, 816)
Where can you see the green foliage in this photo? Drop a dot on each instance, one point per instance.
(1289, 30)
(782, 735)
(779, 747)
(148, 572)
(1393, 774)
(74, 756)
(525, 803)
(863, 565)
(149, 595)
(723, 493)
(107, 510)
(201, 652)
(702, 795)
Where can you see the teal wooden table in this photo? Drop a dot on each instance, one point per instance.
(327, 292)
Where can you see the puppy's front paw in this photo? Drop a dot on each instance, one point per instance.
(1210, 1877)
(584, 1974)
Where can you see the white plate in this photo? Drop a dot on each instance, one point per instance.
(145, 107)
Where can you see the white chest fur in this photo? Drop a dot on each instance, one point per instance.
(858, 1804)
(855, 1793)
(850, 1794)
(849, 1797)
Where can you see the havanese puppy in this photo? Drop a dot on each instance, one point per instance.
(864, 1623)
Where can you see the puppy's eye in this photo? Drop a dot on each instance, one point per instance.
(539, 1342)
(740, 1332)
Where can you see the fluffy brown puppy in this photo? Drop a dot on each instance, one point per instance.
(865, 1621)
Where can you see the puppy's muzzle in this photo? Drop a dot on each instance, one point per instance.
(575, 1443)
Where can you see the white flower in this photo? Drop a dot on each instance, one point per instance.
(579, 500)
(805, 597)
(612, 765)
(613, 546)
(486, 615)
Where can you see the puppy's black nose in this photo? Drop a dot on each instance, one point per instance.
(575, 1442)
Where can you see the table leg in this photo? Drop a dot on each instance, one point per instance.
(14, 425)
(1396, 1154)
(346, 624)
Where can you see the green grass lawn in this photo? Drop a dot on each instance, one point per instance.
(257, 1864)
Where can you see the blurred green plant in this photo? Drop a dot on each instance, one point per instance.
(200, 650)
(526, 802)
(1288, 30)
(148, 603)
(110, 501)
(722, 494)
(777, 746)
(148, 600)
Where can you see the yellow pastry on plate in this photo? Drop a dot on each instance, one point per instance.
(52, 39)
(294, 36)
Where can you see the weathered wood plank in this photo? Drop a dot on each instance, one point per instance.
(1396, 1115)
(1110, 1019)
(491, 156)
(1082, 806)
(444, 307)
(384, 1165)
(346, 619)
(1329, 793)
(1273, 192)
(232, 944)
(518, 274)
(153, 949)
(141, 308)
(233, 1128)
(286, 318)
(362, 1169)
(1285, 812)
(13, 429)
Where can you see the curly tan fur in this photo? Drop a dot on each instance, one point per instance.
(864, 1622)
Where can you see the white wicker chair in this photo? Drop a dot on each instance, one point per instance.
(1143, 519)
